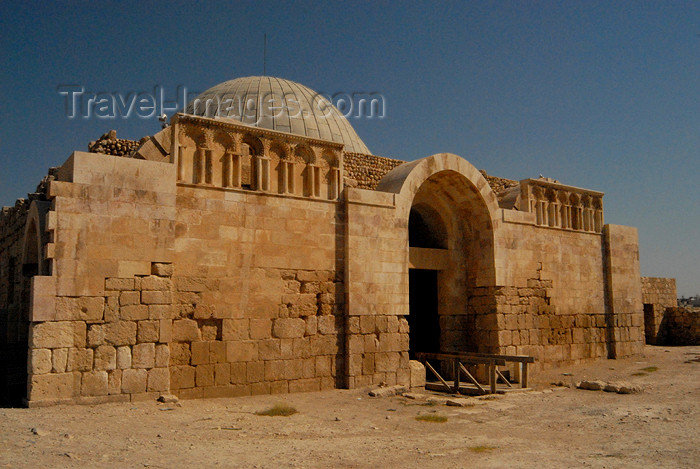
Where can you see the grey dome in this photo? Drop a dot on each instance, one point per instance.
(278, 104)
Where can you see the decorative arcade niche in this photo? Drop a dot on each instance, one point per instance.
(233, 156)
(564, 207)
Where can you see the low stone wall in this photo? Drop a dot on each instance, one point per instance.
(680, 326)
(499, 185)
(528, 324)
(109, 144)
(657, 295)
(522, 321)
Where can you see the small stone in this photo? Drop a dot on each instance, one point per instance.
(39, 432)
(591, 385)
(629, 389)
(387, 391)
(168, 398)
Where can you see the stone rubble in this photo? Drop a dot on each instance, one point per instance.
(619, 388)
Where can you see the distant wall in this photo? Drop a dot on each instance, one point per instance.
(657, 295)
(680, 326)
(660, 291)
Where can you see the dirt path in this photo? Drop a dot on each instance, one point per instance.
(549, 427)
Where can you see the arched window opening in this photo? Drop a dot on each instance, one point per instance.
(311, 175)
(251, 168)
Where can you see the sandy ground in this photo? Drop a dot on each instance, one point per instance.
(548, 427)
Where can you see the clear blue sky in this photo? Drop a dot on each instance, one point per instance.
(602, 95)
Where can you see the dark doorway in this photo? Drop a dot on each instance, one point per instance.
(423, 320)
(14, 329)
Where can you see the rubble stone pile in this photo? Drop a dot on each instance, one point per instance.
(109, 144)
(499, 185)
(365, 171)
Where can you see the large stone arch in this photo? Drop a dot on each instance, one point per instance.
(471, 195)
(451, 195)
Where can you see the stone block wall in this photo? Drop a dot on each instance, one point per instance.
(110, 217)
(376, 289)
(263, 269)
(657, 295)
(664, 322)
(203, 291)
(93, 334)
(623, 300)
(524, 321)
(569, 296)
(660, 291)
(553, 307)
(680, 326)
(296, 346)
(109, 348)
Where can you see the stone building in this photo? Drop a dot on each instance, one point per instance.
(271, 253)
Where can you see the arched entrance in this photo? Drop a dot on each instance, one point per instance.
(450, 211)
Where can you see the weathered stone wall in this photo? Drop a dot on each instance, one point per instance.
(105, 348)
(680, 326)
(263, 270)
(624, 311)
(233, 293)
(657, 295)
(166, 286)
(574, 296)
(555, 305)
(376, 289)
(111, 219)
(661, 291)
